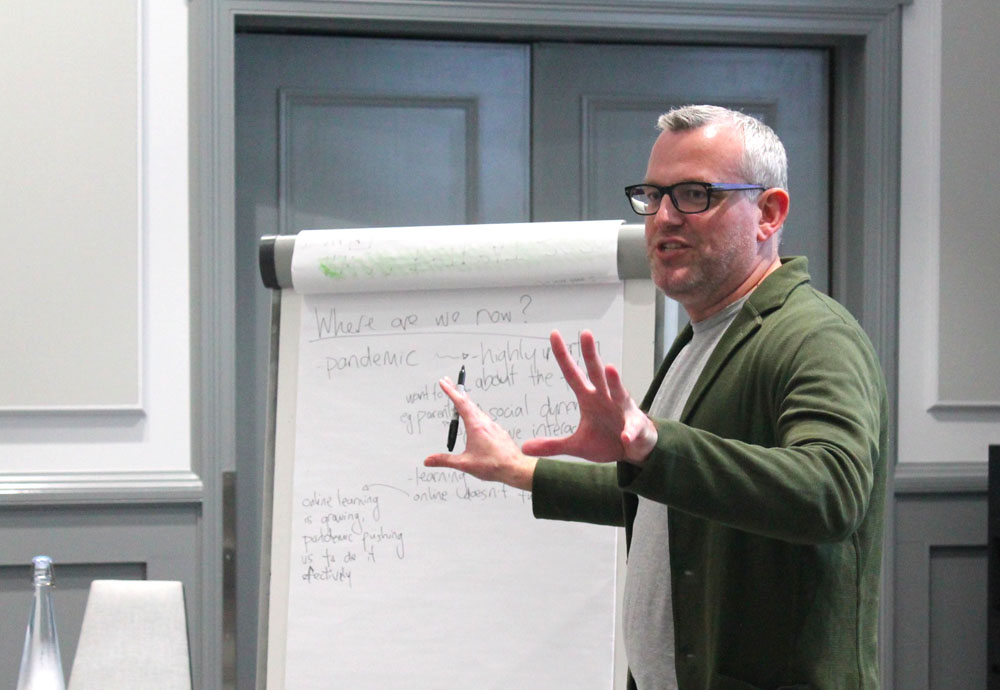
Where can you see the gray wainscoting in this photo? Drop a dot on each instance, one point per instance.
(940, 567)
(89, 539)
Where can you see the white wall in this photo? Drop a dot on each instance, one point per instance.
(949, 274)
(101, 165)
(154, 434)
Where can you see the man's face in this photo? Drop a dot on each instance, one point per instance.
(701, 259)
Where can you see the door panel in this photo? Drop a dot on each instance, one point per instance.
(336, 132)
(594, 111)
(327, 180)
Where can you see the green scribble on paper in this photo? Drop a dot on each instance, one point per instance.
(416, 263)
(330, 271)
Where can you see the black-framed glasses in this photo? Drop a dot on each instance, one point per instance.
(687, 197)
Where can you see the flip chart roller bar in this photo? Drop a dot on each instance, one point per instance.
(275, 257)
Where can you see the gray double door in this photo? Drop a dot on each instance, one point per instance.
(337, 132)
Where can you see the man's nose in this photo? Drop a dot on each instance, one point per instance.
(667, 213)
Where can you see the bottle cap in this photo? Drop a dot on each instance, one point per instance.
(43, 570)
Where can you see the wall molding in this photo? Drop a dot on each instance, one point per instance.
(940, 478)
(678, 18)
(76, 488)
(965, 406)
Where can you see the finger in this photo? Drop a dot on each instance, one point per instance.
(447, 461)
(460, 462)
(639, 439)
(592, 360)
(571, 372)
(438, 460)
(635, 420)
(550, 445)
(616, 387)
(460, 398)
(463, 461)
(628, 441)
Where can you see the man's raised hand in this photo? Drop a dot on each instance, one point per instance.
(612, 427)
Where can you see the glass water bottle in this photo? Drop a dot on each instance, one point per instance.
(41, 666)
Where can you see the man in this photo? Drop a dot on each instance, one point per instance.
(753, 492)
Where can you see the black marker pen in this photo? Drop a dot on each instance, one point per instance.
(453, 427)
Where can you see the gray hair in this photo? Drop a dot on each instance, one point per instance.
(764, 160)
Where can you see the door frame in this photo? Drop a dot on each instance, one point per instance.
(864, 37)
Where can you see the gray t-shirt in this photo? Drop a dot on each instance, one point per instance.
(648, 610)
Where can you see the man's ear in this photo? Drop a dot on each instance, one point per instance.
(773, 204)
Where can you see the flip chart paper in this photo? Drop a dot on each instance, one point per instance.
(406, 576)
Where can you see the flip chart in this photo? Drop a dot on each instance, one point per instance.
(398, 575)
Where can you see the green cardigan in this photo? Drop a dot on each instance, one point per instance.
(775, 477)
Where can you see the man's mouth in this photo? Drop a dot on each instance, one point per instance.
(669, 245)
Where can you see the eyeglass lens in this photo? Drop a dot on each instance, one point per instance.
(688, 197)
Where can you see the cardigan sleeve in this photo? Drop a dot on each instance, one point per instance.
(581, 492)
